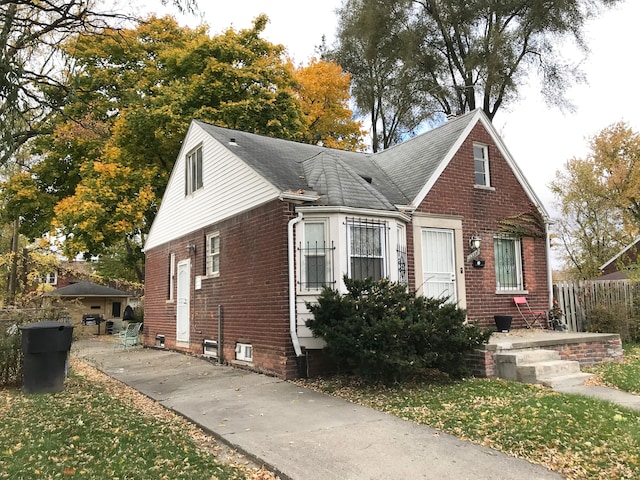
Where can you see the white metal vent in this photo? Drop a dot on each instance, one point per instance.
(210, 347)
(244, 352)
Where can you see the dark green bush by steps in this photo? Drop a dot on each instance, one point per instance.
(383, 333)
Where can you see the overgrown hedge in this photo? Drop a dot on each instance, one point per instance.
(384, 333)
(615, 318)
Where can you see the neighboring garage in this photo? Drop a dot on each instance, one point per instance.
(93, 307)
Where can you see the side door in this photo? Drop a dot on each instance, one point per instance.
(439, 264)
(183, 304)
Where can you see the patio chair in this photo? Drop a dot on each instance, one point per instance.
(128, 337)
(531, 317)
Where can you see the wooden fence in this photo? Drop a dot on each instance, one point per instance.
(577, 299)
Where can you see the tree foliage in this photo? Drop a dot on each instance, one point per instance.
(461, 54)
(377, 49)
(98, 178)
(385, 333)
(596, 200)
(322, 89)
(32, 82)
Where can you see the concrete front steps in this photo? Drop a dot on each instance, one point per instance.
(539, 366)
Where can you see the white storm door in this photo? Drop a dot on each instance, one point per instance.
(439, 264)
(183, 301)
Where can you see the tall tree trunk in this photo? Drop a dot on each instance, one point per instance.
(13, 275)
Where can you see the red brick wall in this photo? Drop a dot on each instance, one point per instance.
(252, 289)
(482, 211)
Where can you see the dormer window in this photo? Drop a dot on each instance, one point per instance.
(193, 173)
(481, 165)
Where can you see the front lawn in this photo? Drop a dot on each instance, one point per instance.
(624, 375)
(579, 437)
(98, 428)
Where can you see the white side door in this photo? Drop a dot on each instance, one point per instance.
(183, 301)
(439, 263)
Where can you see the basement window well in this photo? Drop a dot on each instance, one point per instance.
(244, 352)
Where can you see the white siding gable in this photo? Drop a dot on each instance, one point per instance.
(229, 188)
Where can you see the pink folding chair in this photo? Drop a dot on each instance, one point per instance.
(531, 317)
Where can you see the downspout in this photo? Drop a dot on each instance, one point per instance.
(292, 285)
(547, 224)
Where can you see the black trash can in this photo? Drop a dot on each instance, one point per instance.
(45, 346)
(503, 322)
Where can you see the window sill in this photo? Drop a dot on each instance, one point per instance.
(512, 292)
(169, 301)
(485, 187)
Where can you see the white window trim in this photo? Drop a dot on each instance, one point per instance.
(378, 225)
(302, 285)
(46, 280)
(244, 352)
(485, 160)
(172, 276)
(519, 273)
(192, 184)
(210, 255)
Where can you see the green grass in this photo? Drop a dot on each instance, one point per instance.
(85, 432)
(579, 437)
(623, 375)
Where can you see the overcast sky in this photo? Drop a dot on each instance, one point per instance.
(540, 138)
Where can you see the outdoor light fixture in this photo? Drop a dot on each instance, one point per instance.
(474, 242)
(191, 248)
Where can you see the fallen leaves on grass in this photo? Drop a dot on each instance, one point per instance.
(579, 437)
(149, 407)
(100, 428)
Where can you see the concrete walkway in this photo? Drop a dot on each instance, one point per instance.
(302, 434)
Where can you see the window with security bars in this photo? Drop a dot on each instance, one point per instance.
(508, 263)
(317, 257)
(401, 251)
(367, 249)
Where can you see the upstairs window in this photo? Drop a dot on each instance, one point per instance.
(481, 165)
(508, 261)
(193, 174)
(317, 256)
(213, 254)
(367, 249)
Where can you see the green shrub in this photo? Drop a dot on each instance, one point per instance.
(614, 318)
(383, 333)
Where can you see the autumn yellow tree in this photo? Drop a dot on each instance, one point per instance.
(599, 201)
(322, 89)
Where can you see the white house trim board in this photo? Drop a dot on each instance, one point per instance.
(230, 187)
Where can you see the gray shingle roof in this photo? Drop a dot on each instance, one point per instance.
(361, 180)
(87, 289)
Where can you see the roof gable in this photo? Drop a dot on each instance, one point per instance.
(243, 170)
(87, 289)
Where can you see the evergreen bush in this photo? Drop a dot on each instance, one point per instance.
(384, 333)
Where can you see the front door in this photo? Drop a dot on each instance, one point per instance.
(183, 301)
(439, 264)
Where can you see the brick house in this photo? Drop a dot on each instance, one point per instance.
(250, 228)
